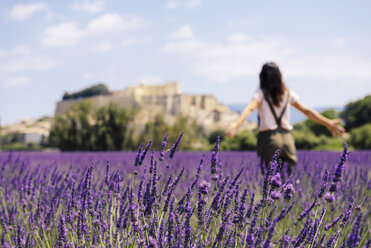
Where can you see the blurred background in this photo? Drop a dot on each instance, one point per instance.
(110, 74)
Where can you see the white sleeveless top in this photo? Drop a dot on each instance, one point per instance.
(267, 121)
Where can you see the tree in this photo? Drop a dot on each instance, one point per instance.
(358, 113)
(111, 127)
(99, 89)
(360, 137)
(73, 131)
(83, 128)
(242, 141)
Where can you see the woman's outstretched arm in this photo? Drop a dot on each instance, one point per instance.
(231, 130)
(332, 125)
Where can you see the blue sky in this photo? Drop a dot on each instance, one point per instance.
(209, 46)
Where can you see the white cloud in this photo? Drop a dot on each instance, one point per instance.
(89, 7)
(69, 34)
(238, 38)
(20, 59)
(23, 11)
(88, 76)
(194, 3)
(65, 34)
(113, 23)
(128, 42)
(103, 47)
(150, 79)
(237, 24)
(27, 63)
(243, 56)
(17, 81)
(18, 50)
(21, 50)
(184, 32)
(172, 4)
(183, 4)
(339, 42)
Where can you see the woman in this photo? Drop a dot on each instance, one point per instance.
(272, 100)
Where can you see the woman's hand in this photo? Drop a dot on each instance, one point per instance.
(335, 128)
(231, 130)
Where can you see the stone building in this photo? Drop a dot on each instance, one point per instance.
(165, 99)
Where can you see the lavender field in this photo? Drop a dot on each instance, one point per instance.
(184, 199)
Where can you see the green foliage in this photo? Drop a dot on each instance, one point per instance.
(99, 89)
(311, 135)
(245, 140)
(212, 137)
(305, 139)
(17, 146)
(360, 137)
(155, 131)
(319, 129)
(193, 139)
(358, 113)
(111, 128)
(10, 138)
(81, 128)
(330, 144)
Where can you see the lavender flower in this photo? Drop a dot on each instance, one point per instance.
(275, 195)
(268, 240)
(62, 234)
(355, 237)
(307, 210)
(339, 169)
(106, 179)
(143, 155)
(163, 146)
(214, 157)
(187, 229)
(332, 240)
(138, 155)
(333, 222)
(198, 171)
(175, 146)
(204, 187)
(329, 197)
(276, 180)
(288, 191)
(347, 213)
(249, 210)
(324, 184)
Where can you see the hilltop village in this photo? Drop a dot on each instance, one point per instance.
(167, 100)
(149, 100)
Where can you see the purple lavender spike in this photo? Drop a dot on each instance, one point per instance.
(163, 147)
(143, 155)
(138, 155)
(307, 210)
(214, 157)
(175, 146)
(324, 185)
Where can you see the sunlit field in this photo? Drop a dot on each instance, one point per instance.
(184, 199)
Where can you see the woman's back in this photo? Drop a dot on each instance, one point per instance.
(266, 117)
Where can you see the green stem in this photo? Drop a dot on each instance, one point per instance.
(45, 237)
(320, 223)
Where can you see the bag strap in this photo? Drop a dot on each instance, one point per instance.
(278, 120)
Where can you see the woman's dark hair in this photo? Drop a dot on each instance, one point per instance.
(271, 82)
